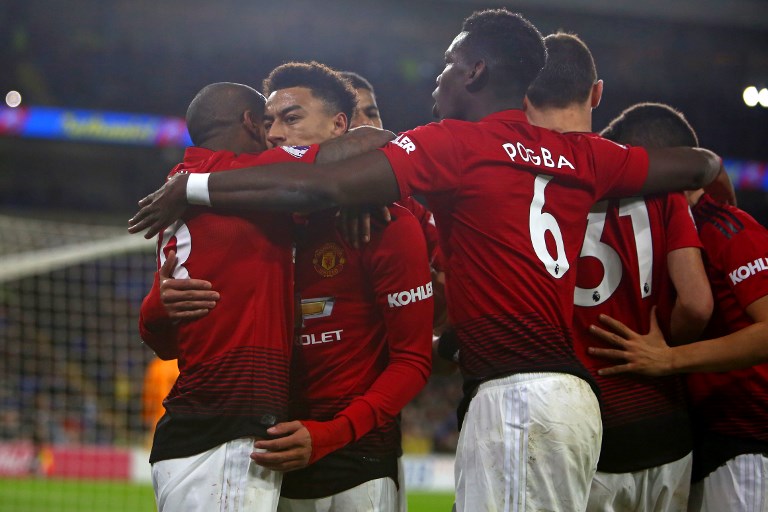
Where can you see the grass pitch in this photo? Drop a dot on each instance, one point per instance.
(49, 495)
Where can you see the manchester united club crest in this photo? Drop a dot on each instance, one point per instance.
(329, 260)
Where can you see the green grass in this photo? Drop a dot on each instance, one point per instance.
(48, 495)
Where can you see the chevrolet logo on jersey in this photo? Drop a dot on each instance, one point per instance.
(329, 260)
(317, 308)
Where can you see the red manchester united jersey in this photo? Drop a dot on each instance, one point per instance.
(735, 403)
(622, 272)
(510, 202)
(366, 345)
(233, 362)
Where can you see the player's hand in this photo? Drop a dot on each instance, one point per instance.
(184, 299)
(355, 223)
(285, 453)
(160, 208)
(722, 188)
(646, 354)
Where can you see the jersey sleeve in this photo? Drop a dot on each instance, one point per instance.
(744, 259)
(620, 171)
(425, 159)
(680, 226)
(306, 154)
(155, 327)
(399, 273)
(428, 228)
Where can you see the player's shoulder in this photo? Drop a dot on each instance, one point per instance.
(724, 221)
(282, 154)
(403, 227)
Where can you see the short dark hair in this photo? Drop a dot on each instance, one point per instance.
(357, 80)
(567, 76)
(510, 44)
(325, 83)
(220, 106)
(652, 125)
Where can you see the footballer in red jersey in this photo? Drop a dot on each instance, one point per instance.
(728, 381)
(622, 270)
(365, 346)
(234, 362)
(510, 202)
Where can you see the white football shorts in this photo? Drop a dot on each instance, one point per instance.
(222, 479)
(379, 495)
(529, 442)
(660, 489)
(740, 485)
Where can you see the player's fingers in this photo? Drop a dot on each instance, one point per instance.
(386, 214)
(186, 316)
(187, 285)
(343, 224)
(354, 230)
(617, 326)
(146, 200)
(188, 305)
(608, 353)
(365, 221)
(169, 265)
(610, 337)
(615, 370)
(282, 429)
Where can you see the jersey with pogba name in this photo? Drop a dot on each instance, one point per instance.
(365, 348)
(233, 362)
(731, 408)
(622, 272)
(510, 202)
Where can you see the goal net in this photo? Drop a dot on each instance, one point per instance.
(72, 366)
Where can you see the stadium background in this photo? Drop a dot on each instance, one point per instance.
(71, 281)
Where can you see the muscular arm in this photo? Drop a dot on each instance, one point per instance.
(694, 303)
(364, 179)
(680, 169)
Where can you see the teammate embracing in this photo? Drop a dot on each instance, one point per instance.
(510, 202)
(728, 381)
(633, 246)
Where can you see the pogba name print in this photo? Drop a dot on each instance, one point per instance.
(540, 156)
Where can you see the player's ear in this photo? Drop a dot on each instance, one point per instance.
(477, 78)
(254, 125)
(340, 124)
(596, 94)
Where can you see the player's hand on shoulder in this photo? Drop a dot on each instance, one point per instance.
(355, 222)
(161, 208)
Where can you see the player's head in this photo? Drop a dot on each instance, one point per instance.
(307, 103)
(569, 76)
(227, 116)
(493, 60)
(367, 111)
(655, 125)
(652, 125)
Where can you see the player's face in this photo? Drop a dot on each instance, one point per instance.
(367, 111)
(449, 92)
(294, 117)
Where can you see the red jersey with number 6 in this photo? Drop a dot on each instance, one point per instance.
(234, 362)
(510, 202)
